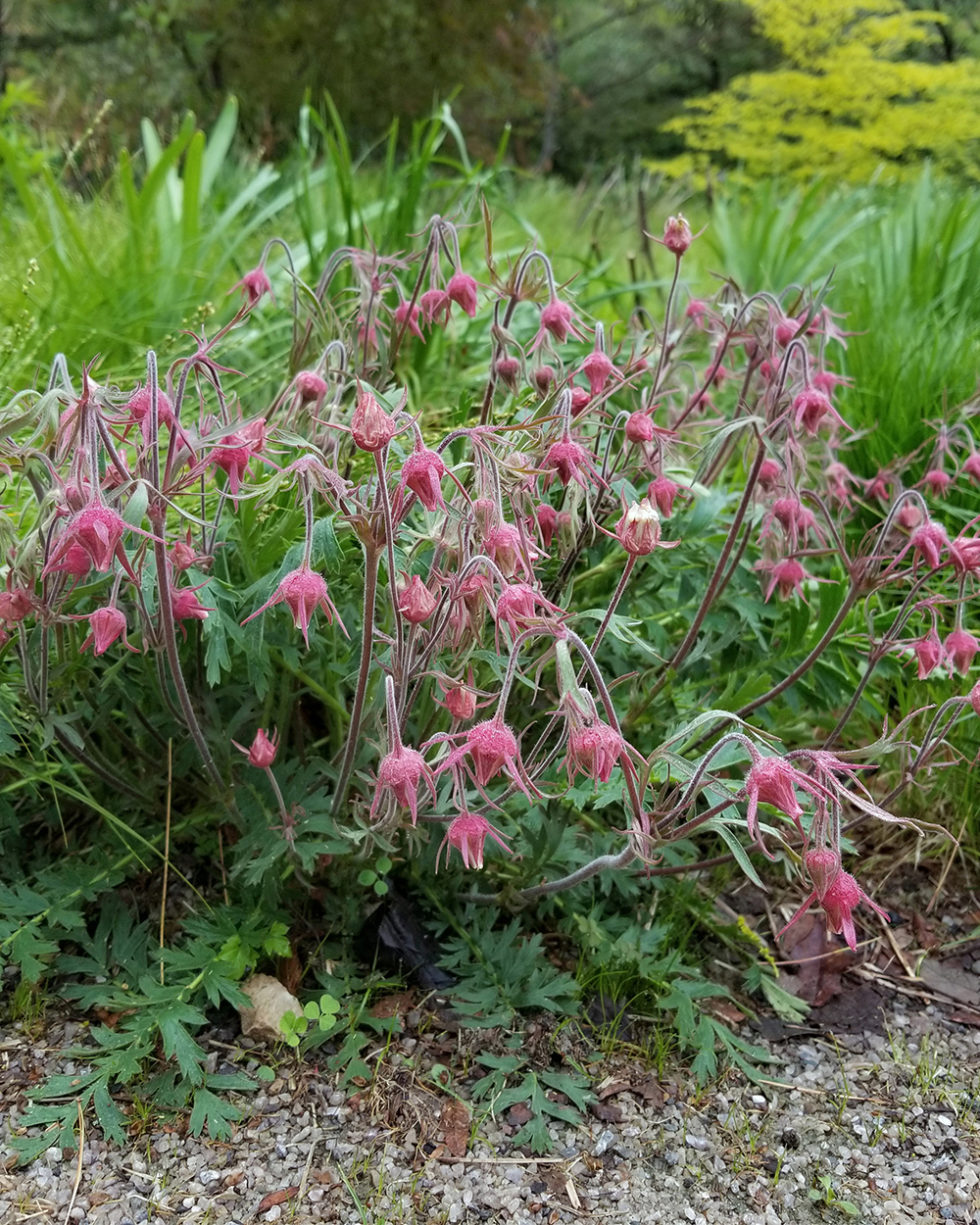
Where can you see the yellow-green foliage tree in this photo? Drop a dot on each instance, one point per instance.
(859, 91)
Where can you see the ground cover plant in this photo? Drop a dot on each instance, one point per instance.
(532, 606)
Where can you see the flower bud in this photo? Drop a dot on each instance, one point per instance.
(639, 529)
(371, 427)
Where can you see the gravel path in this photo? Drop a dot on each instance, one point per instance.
(882, 1124)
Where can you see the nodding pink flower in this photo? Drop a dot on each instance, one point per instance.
(75, 561)
(928, 652)
(467, 833)
(508, 370)
(96, 529)
(771, 780)
(568, 459)
(543, 377)
(929, 542)
(639, 428)
(695, 311)
(809, 409)
(663, 491)
(186, 606)
(516, 607)
(839, 483)
(509, 550)
(677, 235)
(822, 867)
(597, 368)
(235, 451)
(422, 473)
(370, 426)
(826, 381)
(839, 894)
(461, 289)
(880, 485)
(262, 751)
(937, 482)
(971, 465)
(546, 518)
(960, 648)
(639, 529)
(138, 407)
(303, 591)
(460, 702)
(407, 316)
(491, 747)
(434, 306)
(787, 576)
(416, 603)
(254, 285)
(310, 386)
(593, 750)
(785, 329)
(16, 603)
(842, 897)
(975, 699)
(581, 399)
(794, 518)
(558, 320)
(400, 772)
(107, 624)
(770, 470)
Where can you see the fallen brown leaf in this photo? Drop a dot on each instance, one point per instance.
(283, 1196)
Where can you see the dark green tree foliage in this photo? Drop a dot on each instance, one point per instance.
(376, 60)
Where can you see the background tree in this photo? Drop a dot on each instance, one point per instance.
(860, 85)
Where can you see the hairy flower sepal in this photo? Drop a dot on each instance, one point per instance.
(303, 591)
(467, 833)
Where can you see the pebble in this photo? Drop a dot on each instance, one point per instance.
(684, 1161)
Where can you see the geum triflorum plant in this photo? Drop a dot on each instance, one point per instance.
(409, 591)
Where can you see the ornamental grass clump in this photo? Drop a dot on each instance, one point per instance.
(614, 620)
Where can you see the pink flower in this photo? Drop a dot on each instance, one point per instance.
(558, 322)
(462, 290)
(581, 399)
(407, 316)
(809, 409)
(960, 648)
(400, 772)
(16, 603)
(597, 368)
(467, 833)
(371, 427)
(771, 780)
(546, 518)
(543, 377)
(303, 591)
(928, 541)
(235, 451)
(785, 329)
(186, 606)
(639, 428)
(787, 575)
(434, 306)
(971, 465)
(254, 285)
(928, 652)
(262, 751)
(508, 370)
(662, 490)
(842, 897)
(975, 698)
(516, 607)
(310, 386)
(677, 235)
(839, 894)
(422, 473)
(416, 603)
(568, 460)
(639, 529)
(96, 529)
(594, 751)
(491, 747)
(509, 550)
(107, 624)
(770, 471)
(937, 482)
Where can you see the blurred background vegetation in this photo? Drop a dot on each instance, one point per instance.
(581, 84)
